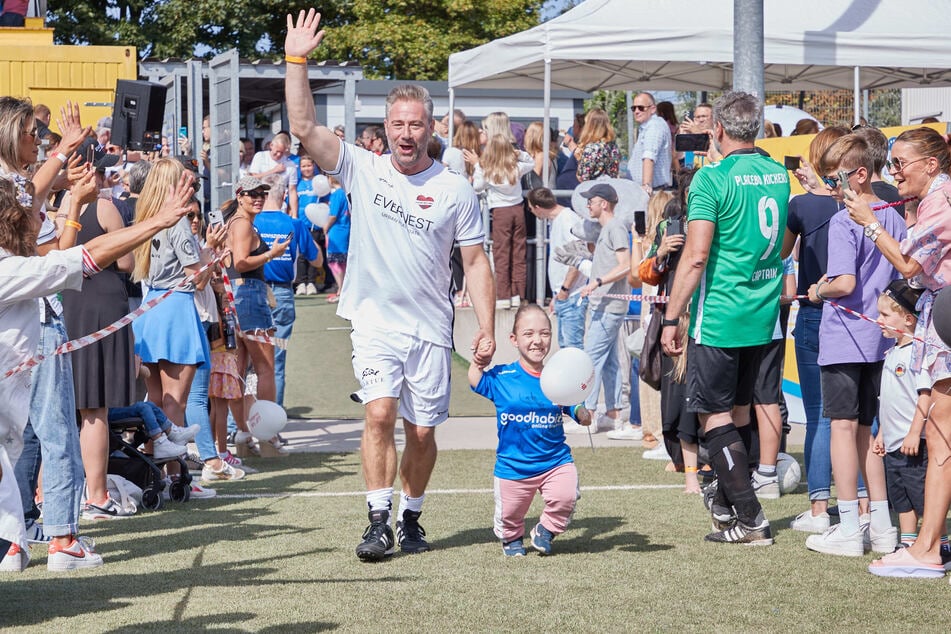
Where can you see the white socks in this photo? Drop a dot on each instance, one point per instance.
(380, 499)
(411, 504)
(849, 516)
(881, 520)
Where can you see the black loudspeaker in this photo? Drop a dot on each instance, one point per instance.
(137, 115)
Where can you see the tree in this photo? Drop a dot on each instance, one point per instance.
(404, 39)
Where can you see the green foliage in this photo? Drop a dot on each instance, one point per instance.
(405, 39)
(614, 103)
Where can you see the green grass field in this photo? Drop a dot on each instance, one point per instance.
(274, 553)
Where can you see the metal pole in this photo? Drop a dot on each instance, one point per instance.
(748, 56)
(628, 102)
(195, 106)
(350, 114)
(541, 227)
(452, 118)
(865, 96)
(857, 96)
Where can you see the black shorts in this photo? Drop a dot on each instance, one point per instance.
(718, 379)
(769, 381)
(850, 391)
(905, 479)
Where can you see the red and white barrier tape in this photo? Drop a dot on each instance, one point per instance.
(115, 326)
(229, 297)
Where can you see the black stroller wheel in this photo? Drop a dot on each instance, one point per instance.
(152, 499)
(179, 491)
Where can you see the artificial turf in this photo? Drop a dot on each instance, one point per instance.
(274, 553)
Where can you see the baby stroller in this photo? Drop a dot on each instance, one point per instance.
(126, 435)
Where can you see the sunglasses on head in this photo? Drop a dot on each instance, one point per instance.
(833, 181)
(255, 194)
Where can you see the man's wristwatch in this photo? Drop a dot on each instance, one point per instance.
(599, 281)
(871, 229)
(565, 289)
(670, 322)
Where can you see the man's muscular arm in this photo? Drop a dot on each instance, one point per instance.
(302, 39)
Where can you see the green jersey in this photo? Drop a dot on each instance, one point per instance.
(746, 196)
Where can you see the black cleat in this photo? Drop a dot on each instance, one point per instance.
(377, 538)
(411, 536)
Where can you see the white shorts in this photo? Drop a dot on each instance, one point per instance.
(394, 365)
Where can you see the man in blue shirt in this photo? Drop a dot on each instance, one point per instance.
(273, 225)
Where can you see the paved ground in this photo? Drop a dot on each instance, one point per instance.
(320, 380)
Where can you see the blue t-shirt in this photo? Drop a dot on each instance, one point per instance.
(338, 238)
(531, 434)
(274, 226)
(307, 196)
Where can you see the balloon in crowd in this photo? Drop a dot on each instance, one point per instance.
(317, 213)
(266, 419)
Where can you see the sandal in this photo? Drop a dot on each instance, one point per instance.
(333, 298)
(902, 563)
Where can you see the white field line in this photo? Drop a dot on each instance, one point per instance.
(340, 494)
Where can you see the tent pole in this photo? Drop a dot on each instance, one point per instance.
(452, 119)
(541, 227)
(628, 103)
(748, 53)
(857, 96)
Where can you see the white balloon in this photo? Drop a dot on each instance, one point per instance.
(321, 185)
(266, 419)
(317, 213)
(568, 377)
(630, 198)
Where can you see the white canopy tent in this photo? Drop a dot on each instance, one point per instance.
(688, 45)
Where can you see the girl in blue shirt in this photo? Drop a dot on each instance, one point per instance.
(532, 455)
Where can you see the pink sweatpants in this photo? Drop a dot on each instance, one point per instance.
(559, 489)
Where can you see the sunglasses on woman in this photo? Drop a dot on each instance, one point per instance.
(897, 165)
(256, 194)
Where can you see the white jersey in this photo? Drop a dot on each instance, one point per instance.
(401, 238)
(899, 395)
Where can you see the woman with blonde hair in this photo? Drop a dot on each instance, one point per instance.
(535, 147)
(170, 338)
(498, 173)
(597, 153)
(467, 139)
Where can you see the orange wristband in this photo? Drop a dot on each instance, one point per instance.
(690, 469)
(293, 59)
(75, 225)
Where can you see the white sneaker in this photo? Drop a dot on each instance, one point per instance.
(200, 493)
(503, 304)
(81, 553)
(765, 487)
(516, 301)
(226, 472)
(182, 435)
(657, 453)
(883, 542)
(301, 289)
(311, 289)
(835, 542)
(15, 560)
(626, 431)
(809, 523)
(164, 449)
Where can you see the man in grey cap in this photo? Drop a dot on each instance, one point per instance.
(609, 267)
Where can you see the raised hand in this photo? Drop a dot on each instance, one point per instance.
(84, 188)
(176, 202)
(303, 37)
(71, 128)
(859, 210)
(76, 169)
(215, 236)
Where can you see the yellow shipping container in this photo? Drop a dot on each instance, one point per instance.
(32, 66)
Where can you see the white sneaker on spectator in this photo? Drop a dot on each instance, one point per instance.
(301, 289)
(516, 301)
(624, 430)
(657, 453)
(503, 304)
(182, 435)
(81, 553)
(163, 449)
(16, 559)
(809, 523)
(311, 289)
(201, 493)
(226, 472)
(836, 542)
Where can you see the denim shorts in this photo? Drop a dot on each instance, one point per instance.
(250, 302)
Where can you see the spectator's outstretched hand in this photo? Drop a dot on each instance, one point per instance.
(71, 128)
(84, 187)
(176, 202)
(303, 38)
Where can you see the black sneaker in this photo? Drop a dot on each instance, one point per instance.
(722, 518)
(411, 536)
(739, 533)
(377, 538)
